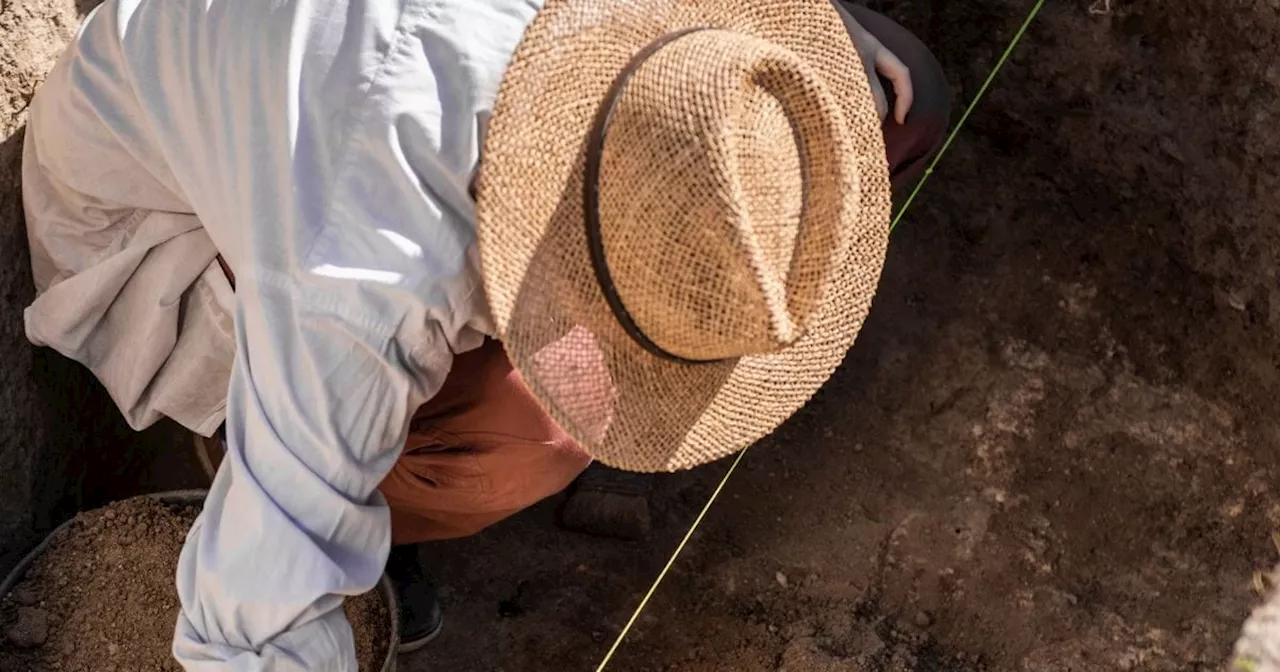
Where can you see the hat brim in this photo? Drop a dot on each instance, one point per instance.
(628, 408)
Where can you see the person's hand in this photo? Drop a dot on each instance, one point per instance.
(878, 62)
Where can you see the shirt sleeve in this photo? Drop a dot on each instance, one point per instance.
(293, 521)
(326, 147)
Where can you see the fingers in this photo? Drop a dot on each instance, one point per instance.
(877, 90)
(896, 72)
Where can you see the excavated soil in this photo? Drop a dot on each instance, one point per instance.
(102, 597)
(1054, 446)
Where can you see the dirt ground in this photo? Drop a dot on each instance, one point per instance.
(1054, 445)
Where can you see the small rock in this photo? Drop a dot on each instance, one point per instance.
(109, 514)
(1236, 301)
(113, 648)
(31, 630)
(781, 579)
(773, 629)
(923, 619)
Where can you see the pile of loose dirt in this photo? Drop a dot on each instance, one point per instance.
(103, 598)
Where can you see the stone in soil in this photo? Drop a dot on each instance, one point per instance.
(30, 630)
(106, 596)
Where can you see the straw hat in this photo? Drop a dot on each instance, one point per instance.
(683, 210)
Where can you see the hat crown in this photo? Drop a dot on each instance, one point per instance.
(721, 192)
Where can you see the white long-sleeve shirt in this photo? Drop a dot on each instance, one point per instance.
(324, 147)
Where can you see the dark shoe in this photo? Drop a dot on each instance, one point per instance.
(609, 502)
(420, 615)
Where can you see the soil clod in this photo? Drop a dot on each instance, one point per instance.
(31, 630)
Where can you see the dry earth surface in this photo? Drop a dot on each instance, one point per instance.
(1054, 446)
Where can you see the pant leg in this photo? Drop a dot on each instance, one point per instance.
(479, 451)
(909, 146)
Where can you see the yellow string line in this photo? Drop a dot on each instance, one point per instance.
(661, 575)
(972, 104)
(732, 467)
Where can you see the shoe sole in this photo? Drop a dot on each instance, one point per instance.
(414, 645)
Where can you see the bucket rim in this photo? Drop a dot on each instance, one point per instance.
(196, 497)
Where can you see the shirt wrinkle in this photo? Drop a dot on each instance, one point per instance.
(356, 113)
(317, 300)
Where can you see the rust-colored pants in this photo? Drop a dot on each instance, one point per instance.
(482, 449)
(479, 451)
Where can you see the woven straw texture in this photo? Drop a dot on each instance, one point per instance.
(744, 208)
